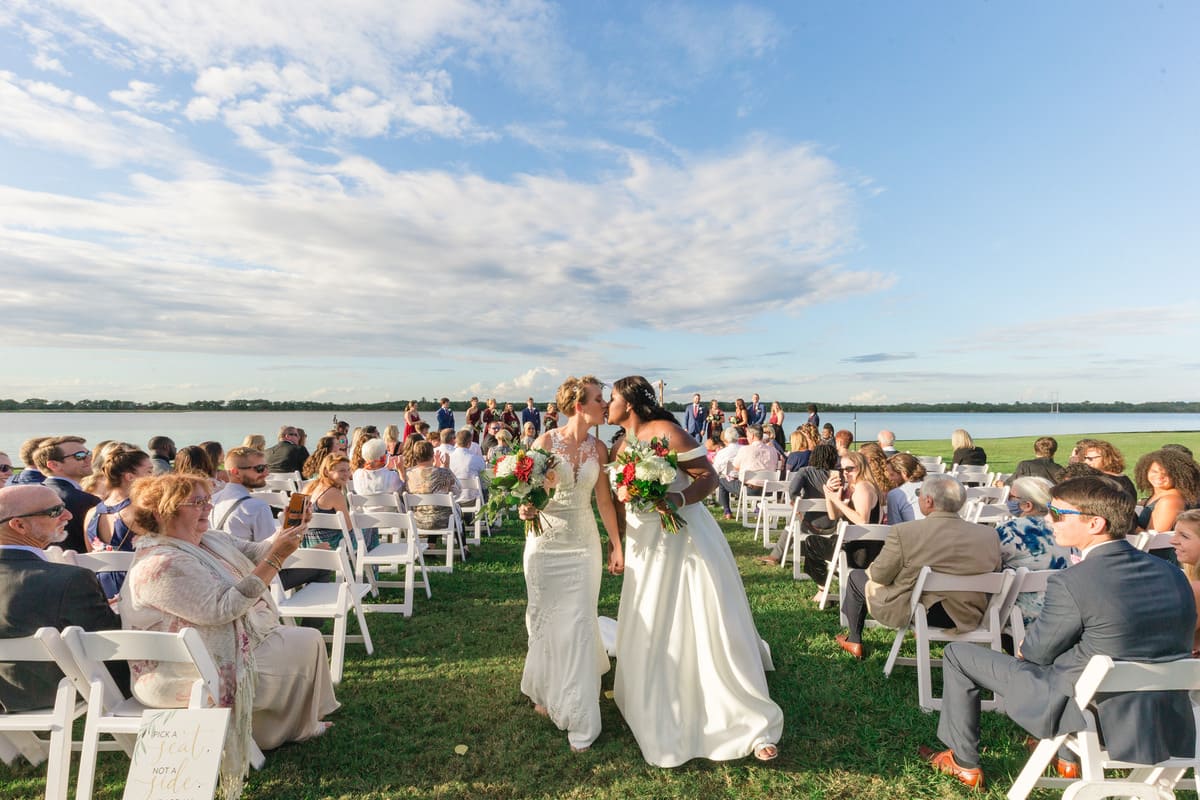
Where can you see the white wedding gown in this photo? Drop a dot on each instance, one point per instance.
(562, 580)
(690, 678)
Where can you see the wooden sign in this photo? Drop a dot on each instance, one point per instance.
(177, 755)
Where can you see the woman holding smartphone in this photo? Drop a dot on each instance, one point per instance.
(850, 495)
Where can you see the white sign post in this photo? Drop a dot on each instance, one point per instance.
(178, 754)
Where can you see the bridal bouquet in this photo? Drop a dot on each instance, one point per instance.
(646, 470)
(521, 480)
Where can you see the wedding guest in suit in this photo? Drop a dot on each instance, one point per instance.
(1043, 464)
(942, 541)
(65, 462)
(36, 593)
(814, 418)
(286, 455)
(887, 441)
(693, 418)
(162, 453)
(1154, 621)
(530, 415)
(445, 415)
(30, 474)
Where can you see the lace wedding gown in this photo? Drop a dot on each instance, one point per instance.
(562, 579)
(690, 676)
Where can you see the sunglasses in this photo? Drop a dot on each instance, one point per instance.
(78, 456)
(259, 468)
(53, 512)
(1056, 514)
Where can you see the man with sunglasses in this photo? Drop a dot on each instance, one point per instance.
(1118, 602)
(65, 461)
(35, 593)
(235, 511)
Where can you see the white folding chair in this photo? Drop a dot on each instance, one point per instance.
(795, 533)
(847, 533)
(100, 560)
(379, 501)
(283, 482)
(399, 549)
(19, 729)
(773, 505)
(108, 711)
(984, 514)
(1153, 540)
(971, 475)
(991, 495)
(999, 588)
(273, 498)
(1103, 675)
(451, 534)
(1027, 581)
(758, 477)
(322, 600)
(471, 502)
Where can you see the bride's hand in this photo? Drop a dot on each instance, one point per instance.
(551, 481)
(623, 494)
(616, 561)
(527, 511)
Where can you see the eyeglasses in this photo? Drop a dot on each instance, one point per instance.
(198, 503)
(1096, 457)
(1056, 514)
(53, 512)
(259, 468)
(78, 456)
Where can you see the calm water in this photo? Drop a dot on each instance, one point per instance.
(229, 427)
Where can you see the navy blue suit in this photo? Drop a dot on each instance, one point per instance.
(532, 415)
(445, 418)
(78, 502)
(755, 414)
(694, 418)
(28, 475)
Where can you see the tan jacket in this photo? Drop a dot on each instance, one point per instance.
(944, 542)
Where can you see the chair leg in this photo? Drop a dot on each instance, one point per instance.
(895, 652)
(337, 655)
(90, 745)
(58, 768)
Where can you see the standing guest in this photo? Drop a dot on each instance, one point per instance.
(1171, 480)
(6, 469)
(65, 461)
(235, 510)
(30, 473)
(907, 475)
(411, 418)
(216, 454)
(740, 418)
(887, 441)
(312, 465)
(756, 412)
(374, 477)
(551, 416)
(286, 455)
(716, 418)
(490, 414)
(474, 418)
(727, 473)
(1154, 621)
(328, 493)
(445, 416)
(104, 526)
(531, 415)
(465, 464)
(814, 418)
(392, 441)
(1102, 455)
(508, 418)
(693, 418)
(775, 420)
(255, 441)
(943, 541)
(1027, 540)
(965, 451)
(35, 593)
(274, 677)
(1186, 542)
(162, 453)
(1043, 464)
(808, 483)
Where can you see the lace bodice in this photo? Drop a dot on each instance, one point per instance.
(578, 470)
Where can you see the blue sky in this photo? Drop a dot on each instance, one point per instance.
(850, 202)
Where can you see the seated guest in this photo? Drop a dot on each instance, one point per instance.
(255, 441)
(374, 477)
(1171, 481)
(441, 453)
(768, 435)
(194, 460)
(907, 474)
(850, 495)
(1117, 602)
(104, 527)
(712, 446)
(1186, 542)
(1027, 540)
(529, 435)
(1102, 455)
(328, 493)
(426, 478)
(727, 474)
(235, 510)
(808, 483)
(465, 464)
(216, 455)
(35, 593)
(1043, 465)
(274, 677)
(6, 469)
(799, 449)
(887, 442)
(842, 440)
(65, 461)
(94, 483)
(286, 455)
(757, 456)
(877, 467)
(965, 451)
(162, 452)
(943, 541)
(30, 474)
(488, 440)
(502, 448)
(391, 437)
(312, 465)
(827, 434)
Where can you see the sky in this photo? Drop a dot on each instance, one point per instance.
(862, 202)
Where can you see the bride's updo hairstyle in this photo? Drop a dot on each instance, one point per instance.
(573, 391)
(639, 394)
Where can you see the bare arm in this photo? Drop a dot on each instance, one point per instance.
(1165, 511)
(608, 515)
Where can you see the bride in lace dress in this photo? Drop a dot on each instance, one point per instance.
(690, 665)
(562, 572)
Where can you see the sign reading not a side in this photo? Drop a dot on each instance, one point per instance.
(178, 754)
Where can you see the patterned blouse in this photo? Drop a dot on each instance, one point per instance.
(1028, 542)
(432, 480)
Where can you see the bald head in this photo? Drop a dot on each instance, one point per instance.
(23, 510)
(886, 439)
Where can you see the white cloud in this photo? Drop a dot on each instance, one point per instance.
(713, 37)
(535, 382)
(140, 97)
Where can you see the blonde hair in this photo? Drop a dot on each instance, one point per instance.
(1192, 516)
(391, 433)
(255, 441)
(156, 500)
(961, 438)
(573, 392)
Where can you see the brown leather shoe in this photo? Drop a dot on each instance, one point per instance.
(1066, 769)
(853, 648)
(944, 762)
(768, 560)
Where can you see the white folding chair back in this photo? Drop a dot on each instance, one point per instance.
(930, 462)
(273, 498)
(971, 475)
(101, 560)
(451, 534)
(758, 477)
(19, 729)
(1030, 580)
(399, 550)
(471, 502)
(795, 533)
(1153, 540)
(336, 600)
(774, 505)
(984, 514)
(996, 495)
(378, 501)
(55, 554)
(847, 533)
(1001, 595)
(1103, 675)
(283, 482)
(334, 520)
(108, 712)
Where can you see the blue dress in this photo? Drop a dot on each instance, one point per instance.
(122, 539)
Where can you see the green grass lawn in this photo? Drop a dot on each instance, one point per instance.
(450, 676)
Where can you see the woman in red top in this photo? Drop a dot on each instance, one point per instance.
(411, 418)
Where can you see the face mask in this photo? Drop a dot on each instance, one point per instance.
(1014, 507)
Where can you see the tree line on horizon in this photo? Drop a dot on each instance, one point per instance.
(425, 404)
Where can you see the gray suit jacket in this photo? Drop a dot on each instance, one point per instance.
(1124, 604)
(35, 593)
